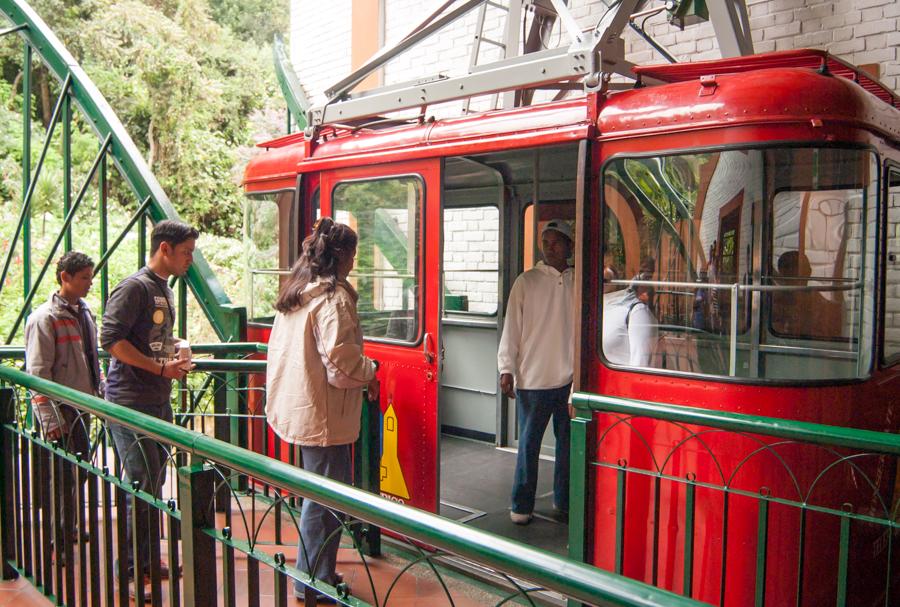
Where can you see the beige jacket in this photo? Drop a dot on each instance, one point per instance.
(316, 369)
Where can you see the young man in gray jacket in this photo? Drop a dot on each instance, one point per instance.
(61, 346)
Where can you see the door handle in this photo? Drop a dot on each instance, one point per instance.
(427, 351)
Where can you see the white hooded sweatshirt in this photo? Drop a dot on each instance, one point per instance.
(537, 346)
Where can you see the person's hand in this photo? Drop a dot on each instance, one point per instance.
(507, 386)
(373, 390)
(571, 411)
(176, 369)
(53, 435)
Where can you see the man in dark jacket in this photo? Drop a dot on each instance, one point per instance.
(138, 332)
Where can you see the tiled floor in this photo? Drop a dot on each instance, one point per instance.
(19, 593)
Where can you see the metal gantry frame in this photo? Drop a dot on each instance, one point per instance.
(590, 58)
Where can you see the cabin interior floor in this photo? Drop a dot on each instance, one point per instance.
(476, 480)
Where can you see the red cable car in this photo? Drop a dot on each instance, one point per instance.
(756, 199)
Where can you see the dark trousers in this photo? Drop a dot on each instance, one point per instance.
(75, 440)
(534, 409)
(320, 535)
(142, 460)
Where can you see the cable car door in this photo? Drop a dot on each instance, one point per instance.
(395, 210)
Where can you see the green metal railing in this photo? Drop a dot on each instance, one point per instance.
(802, 498)
(228, 320)
(198, 482)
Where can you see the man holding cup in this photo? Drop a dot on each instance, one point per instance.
(138, 332)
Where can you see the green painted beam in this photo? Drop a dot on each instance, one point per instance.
(294, 96)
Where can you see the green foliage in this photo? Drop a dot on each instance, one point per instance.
(191, 81)
(252, 20)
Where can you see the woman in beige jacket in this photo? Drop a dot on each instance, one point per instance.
(316, 372)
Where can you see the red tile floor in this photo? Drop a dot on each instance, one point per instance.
(416, 587)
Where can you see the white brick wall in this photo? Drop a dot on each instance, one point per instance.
(859, 31)
(471, 254)
(320, 44)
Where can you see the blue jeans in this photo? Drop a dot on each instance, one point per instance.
(535, 408)
(318, 548)
(143, 460)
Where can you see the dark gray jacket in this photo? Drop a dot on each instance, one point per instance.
(141, 310)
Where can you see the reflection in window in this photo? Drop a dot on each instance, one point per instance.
(680, 250)
(263, 263)
(471, 259)
(385, 214)
(810, 249)
(892, 267)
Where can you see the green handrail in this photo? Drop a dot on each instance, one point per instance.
(571, 578)
(820, 434)
(237, 347)
(228, 320)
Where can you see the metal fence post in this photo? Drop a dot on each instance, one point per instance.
(196, 483)
(367, 472)
(7, 478)
(222, 427)
(581, 497)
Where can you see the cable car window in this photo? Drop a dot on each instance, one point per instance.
(266, 218)
(471, 260)
(385, 214)
(892, 271)
(754, 264)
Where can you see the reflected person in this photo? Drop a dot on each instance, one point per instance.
(629, 325)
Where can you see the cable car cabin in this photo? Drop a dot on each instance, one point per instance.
(758, 198)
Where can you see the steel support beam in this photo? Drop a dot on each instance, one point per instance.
(732, 26)
(524, 71)
(421, 32)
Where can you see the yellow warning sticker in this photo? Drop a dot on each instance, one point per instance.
(392, 480)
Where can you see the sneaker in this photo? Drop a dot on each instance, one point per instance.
(520, 519)
(321, 599)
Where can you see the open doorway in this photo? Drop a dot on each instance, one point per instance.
(493, 208)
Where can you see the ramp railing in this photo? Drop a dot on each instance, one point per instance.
(713, 504)
(90, 495)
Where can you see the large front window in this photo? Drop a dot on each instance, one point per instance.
(385, 214)
(743, 263)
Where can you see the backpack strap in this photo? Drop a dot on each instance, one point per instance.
(628, 315)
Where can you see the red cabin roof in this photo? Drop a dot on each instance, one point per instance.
(769, 89)
(807, 58)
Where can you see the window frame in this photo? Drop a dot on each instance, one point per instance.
(420, 257)
(258, 196)
(875, 157)
(890, 166)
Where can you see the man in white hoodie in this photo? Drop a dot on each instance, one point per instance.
(535, 360)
